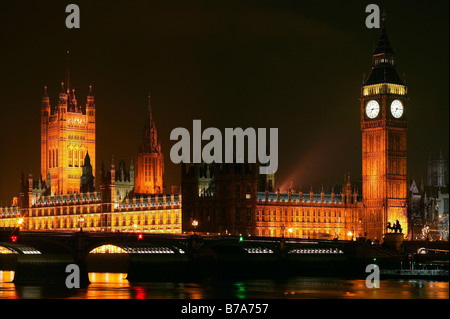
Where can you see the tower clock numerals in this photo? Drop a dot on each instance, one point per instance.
(372, 109)
(397, 108)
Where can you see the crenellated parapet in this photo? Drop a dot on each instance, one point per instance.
(150, 202)
(68, 199)
(299, 199)
(10, 212)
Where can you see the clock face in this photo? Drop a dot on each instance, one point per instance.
(397, 108)
(372, 109)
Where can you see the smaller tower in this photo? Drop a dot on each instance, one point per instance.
(87, 179)
(150, 160)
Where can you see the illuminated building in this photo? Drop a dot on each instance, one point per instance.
(384, 131)
(225, 198)
(150, 160)
(67, 135)
(234, 199)
(89, 211)
(67, 200)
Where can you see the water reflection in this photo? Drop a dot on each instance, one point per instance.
(116, 286)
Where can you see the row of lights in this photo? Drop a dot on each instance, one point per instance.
(316, 251)
(259, 250)
(162, 250)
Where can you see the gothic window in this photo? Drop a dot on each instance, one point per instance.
(70, 157)
(75, 157)
(81, 157)
(57, 158)
(49, 159)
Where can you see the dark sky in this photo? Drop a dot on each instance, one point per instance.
(294, 65)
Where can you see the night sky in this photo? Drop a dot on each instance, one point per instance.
(294, 65)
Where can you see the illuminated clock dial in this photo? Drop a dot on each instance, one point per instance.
(372, 109)
(397, 108)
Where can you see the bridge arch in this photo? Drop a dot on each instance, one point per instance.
(19, 249)
(133, 247)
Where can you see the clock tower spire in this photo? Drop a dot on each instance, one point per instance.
(384, 132)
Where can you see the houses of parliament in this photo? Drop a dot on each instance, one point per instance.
(222, 198)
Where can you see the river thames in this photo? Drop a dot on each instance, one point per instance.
(116, 286)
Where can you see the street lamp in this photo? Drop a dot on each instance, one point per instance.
(195, 224)
(81, 221)
(350, 234)
(290, 231)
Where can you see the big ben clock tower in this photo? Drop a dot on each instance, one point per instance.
(384, 131)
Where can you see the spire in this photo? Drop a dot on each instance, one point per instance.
(383, 61)
(150, 106)
(87, 159)
(384, 46)
(150, 136)
(68, 73)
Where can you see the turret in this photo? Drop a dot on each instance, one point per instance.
(132, 171)
(87, 179)
(30, 189)
(90, 109)
(348, 190)
(112, 185)
(45, 109)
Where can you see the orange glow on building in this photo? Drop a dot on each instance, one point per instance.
(150, 160)
(384, 142)
(313, 216)
(67, 135)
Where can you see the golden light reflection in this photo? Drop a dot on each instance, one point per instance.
(108, 249)
(108, 286)
(6, 276)
(4, 250)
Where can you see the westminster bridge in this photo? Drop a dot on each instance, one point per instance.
(42, 257)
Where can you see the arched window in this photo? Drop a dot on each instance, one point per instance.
(70, 157)
(75, 157)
